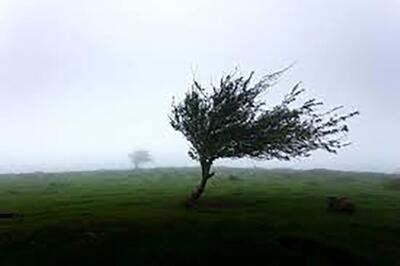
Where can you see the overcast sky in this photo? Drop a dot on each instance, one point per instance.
(82, 83)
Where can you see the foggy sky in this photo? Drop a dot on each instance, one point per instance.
(82, 83)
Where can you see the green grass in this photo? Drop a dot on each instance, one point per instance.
(276, 217)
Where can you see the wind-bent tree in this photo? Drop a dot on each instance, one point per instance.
(139, 157)
(232, 121)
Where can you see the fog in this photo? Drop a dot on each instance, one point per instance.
(83, 83)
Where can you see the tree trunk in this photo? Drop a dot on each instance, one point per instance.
(199, 189)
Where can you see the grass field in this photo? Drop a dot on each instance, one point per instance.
(274, 217)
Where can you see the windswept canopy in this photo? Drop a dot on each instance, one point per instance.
(232, 121)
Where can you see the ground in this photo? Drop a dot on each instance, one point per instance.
(276, 217)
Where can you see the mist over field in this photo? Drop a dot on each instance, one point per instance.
(199, 132)
(83, 83)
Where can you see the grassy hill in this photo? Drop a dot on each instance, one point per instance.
(276, 217)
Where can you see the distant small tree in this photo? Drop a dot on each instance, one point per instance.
(231, 121)
(139, 157)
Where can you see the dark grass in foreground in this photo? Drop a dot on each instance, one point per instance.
(275, 217)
